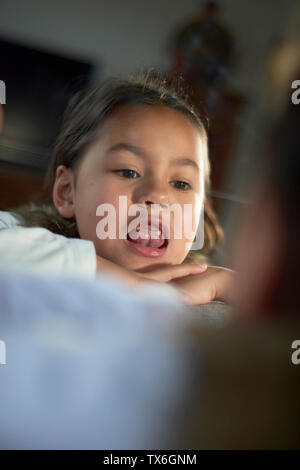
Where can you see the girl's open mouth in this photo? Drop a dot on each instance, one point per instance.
(147, 246)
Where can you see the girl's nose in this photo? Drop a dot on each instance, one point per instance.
(163, 205)
(153, 194)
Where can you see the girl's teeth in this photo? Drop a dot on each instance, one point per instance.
(146, 234)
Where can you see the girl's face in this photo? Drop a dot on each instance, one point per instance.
(150, 154)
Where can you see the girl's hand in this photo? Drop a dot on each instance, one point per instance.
(214, 284)
(163, 273)
(169, 272)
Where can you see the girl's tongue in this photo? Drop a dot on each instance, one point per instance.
(144, 237)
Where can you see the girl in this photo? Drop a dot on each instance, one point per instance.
(139, 138)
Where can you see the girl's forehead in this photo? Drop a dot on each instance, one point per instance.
(149, 124)
(141, 113)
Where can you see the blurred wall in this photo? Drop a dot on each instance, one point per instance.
(124, 34)
(121, 35)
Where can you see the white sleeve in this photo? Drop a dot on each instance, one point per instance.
(89, 364)
(38, 249)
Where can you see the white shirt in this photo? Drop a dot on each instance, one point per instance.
(89, 365)
(38, 249)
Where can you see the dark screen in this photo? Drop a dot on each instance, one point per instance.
(38, 85)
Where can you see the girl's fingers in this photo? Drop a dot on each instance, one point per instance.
(168, 273)
(183, 270)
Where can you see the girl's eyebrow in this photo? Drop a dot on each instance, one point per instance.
(129, 147)
(183, 161)
(139, 152)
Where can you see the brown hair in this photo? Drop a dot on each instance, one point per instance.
(85, 113)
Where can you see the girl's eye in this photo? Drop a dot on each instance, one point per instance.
(126, 173)
(181, 185)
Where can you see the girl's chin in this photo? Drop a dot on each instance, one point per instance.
(130, 259)
(146, 266)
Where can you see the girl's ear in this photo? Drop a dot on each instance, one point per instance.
(63, 192)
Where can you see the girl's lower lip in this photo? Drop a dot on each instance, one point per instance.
(146, 250)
